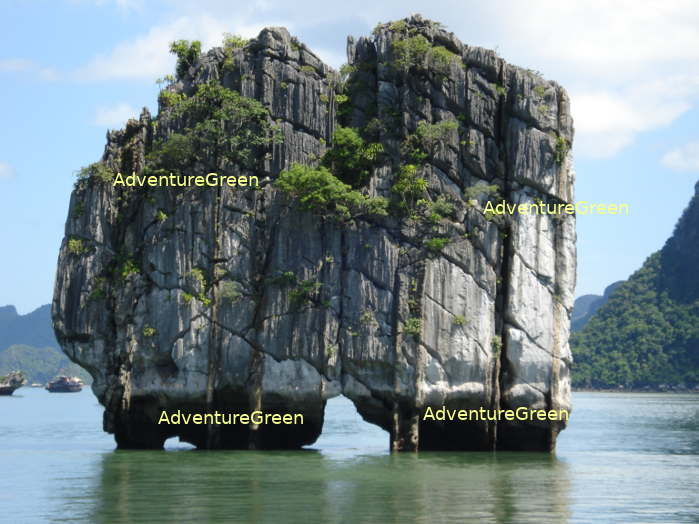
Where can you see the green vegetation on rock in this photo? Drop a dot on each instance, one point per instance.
(230, 291)
(220, 126)
(350, 158)
(76, 246)
(418, 53)
(318, 190)
(96, 170)
(436, 244)
(187, 53)
(168, 98)
(413, 326)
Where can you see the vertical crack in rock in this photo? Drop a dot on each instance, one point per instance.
(214, 357)
(506, 253)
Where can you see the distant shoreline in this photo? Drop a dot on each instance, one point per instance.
(635, 390)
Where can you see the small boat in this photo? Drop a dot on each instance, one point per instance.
(65, 384)
(10, 382)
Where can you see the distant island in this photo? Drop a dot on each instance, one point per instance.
(27, 343)
(586, 306)
(646, 335)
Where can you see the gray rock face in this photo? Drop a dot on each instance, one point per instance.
(393, 326)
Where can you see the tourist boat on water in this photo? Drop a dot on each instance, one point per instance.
(10, 382)
(65, 384)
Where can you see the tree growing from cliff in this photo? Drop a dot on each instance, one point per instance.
(187, 53)
(318, 190)
(218, 126)
(350, 158)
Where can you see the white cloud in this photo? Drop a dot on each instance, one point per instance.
(6, 171)
(114, 116)
(129, 4)
(148, 57)
(20, 65)
(607, 121)
(15, 65)
(126, 5)
(684, 158)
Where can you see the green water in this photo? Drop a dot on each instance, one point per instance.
(631, 458)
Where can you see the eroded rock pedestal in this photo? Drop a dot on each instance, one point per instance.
(205, 299)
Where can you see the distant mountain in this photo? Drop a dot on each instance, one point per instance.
(586, 306)
(27, 343)
(647, 333)
(39, 364)
(32, 329)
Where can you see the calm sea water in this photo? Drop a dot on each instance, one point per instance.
(631, 458)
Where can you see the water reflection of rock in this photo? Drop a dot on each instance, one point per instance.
(309, 487)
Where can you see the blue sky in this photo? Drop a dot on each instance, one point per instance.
(71, 69)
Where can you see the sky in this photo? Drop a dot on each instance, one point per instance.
(71, 69)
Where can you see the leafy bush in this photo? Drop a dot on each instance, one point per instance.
(478, 190)
(441, 59)
(283, 279)
(218, 124)
(200, 285)
(76, 246)
(367, 318)
(496, 345)
(346, 70)
(374, 128)
(187, 54)
(408, 185)
(318, 190)
(97, 170)
(561, 149)
(149, 331)
(174, 154)
(459, 320)
(417, 52)
(442, 207)
(303, 292)
(234, 41)
(436, 244)
(410, 52)
(350, 158)
(418, 146)
(168, 98)
(230, 291)
(98, 288)
(129, 268)
(540, 90)
(432, 135)
(413, 326)
(167, 79)
(398, 26)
